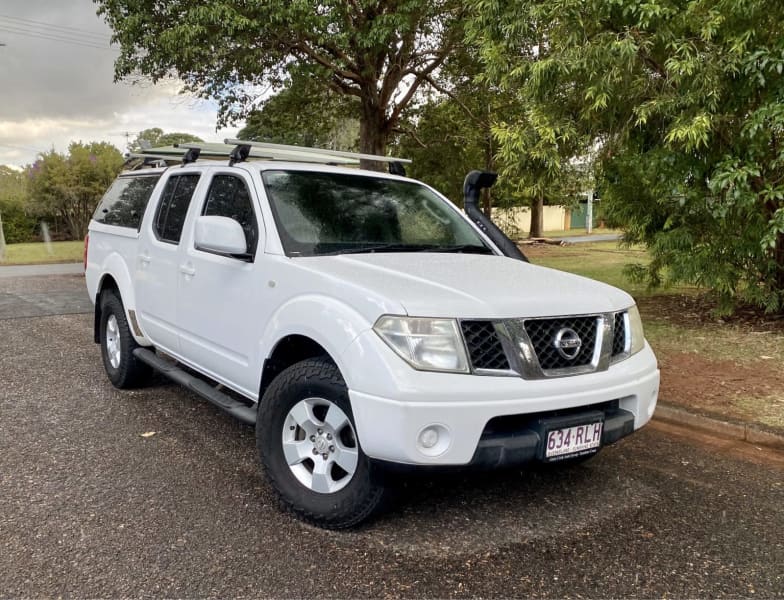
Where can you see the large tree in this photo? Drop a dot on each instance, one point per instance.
(292, 117)
(684, 100)
(474, 123)
(379, 51)
(69, 186)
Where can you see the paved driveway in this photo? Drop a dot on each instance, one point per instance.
(36, 294)
(91, 508)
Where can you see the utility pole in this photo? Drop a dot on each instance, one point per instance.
(589, 213)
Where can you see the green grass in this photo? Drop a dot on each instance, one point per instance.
(603, 261)
(579, 231)
(37, 253)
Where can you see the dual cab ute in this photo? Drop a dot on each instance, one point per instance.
(359, 320)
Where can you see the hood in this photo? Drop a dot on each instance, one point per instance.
(469, 285)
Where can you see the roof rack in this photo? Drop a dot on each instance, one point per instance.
(240, 151)
(147, 160)
(318, 151)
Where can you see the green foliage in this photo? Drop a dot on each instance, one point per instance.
(293, 116)
(69, 186)
(156, 137)
(379, 51)
(444, 146)
(18, 225)
(683, 100)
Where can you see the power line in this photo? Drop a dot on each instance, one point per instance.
(53, 38)
(60, 28)
(21, 148)
(56, 33)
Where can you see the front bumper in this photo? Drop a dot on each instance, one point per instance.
(522, 439)
(394, 404)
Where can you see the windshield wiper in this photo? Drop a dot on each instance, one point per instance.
(461, 248)
(380, 248)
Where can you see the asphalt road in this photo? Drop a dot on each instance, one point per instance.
(91, 508)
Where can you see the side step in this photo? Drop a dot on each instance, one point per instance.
(246, 414)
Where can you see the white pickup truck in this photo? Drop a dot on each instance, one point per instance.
(359, 320)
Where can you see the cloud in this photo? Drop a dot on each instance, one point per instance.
(56, 76)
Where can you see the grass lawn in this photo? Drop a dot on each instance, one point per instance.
(37, 253)
(579, 231)
(603, 261)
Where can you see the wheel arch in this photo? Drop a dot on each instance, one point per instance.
(290, 350)
(307, 327)
(107, 282)
(115, 276)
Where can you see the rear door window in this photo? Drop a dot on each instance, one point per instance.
(125, 201)
(173, 208)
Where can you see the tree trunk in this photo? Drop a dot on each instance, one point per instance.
(373, 133)
(537, 217)
(779, 257)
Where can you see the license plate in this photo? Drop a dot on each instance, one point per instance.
(571, 440)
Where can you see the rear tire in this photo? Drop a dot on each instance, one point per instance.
(117, 345)
(309, 449)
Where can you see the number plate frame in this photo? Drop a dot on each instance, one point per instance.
(549, 425)
(566, 442)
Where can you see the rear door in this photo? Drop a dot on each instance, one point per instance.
(220, 306)
(158, 264)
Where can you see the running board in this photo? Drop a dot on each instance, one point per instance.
(246, 414)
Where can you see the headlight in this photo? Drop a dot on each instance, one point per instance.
(425, 344)
(635, 330)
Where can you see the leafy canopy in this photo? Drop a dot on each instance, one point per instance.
(683, 100)
(293, 117)
(380, 51)
(69, 186)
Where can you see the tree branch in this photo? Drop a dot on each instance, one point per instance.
(457, 100)
(342, 87)
(326, 63)
(421, 77)
(411, 133)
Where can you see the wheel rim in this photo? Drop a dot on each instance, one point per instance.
(320, 445)
(113, 342)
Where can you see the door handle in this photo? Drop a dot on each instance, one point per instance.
(145, 258)
(187, 270)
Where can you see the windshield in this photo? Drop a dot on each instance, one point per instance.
(336, 213)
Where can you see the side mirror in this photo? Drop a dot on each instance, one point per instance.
(220, 234)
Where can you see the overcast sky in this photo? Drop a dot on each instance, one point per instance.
(56, 85)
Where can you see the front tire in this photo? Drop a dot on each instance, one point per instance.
(310, 451)
(117, 345)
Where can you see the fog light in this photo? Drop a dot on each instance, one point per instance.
(429, 437)
(433, 440)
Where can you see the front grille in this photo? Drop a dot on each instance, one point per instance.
(484, 347)
(543, 333)
(619, 334)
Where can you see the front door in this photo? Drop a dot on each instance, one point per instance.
(220, 309)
